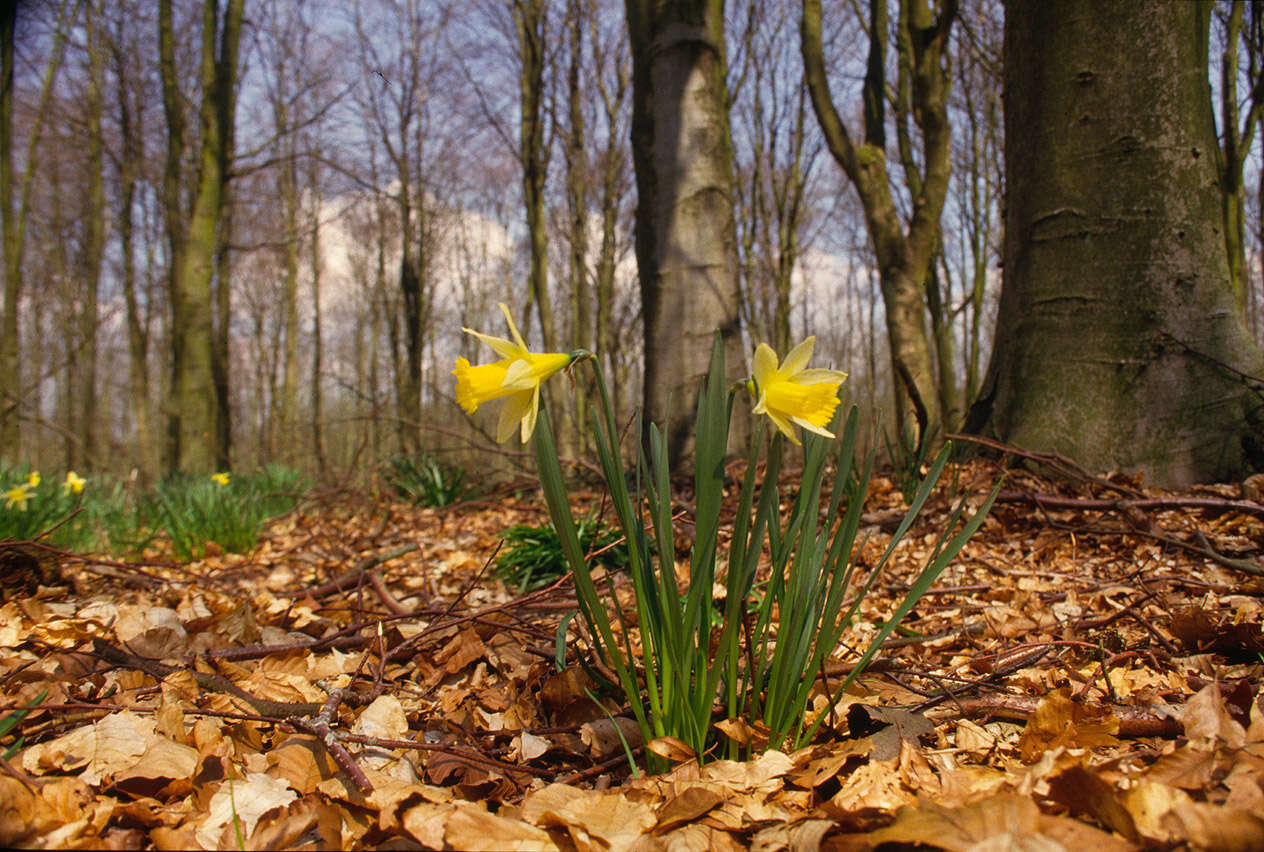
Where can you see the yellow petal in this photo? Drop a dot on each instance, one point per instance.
(528, 419)
(517, 406)
(513, 329)
(814, 376)
(798, 357)
(504, 348)
(764, 364)
(783, 425)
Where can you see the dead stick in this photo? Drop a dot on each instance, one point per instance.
(1133, 722)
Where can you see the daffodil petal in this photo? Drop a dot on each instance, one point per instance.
(761, 407)
(764, 364)
(783, 425)
(798, 358)
(528, 419)
(820, 376)
(518, 376)
(812, 427)
(517, 406)
(504, 348)
(513, 329)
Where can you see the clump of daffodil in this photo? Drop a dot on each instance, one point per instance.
(74, 483)
(790, 392)
(17, 496)
(516, 378)
(220, 478)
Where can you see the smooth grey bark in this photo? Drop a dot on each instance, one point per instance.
(1119, 343)
(686, 241)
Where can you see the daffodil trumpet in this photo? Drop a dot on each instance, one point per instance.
(516, 378)
(790, 392)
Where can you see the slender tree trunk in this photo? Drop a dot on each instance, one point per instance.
(93, 249)
(137, 322)
(904, 256)
(530, 19)
(289, 294)
(577, 205)
(318, 397)
(15, 218)
(195, 412)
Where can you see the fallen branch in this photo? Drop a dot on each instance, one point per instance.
(1133, 722)
(1052, 501)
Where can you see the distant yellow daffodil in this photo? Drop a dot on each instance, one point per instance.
(220, 478)
(516, 377)
(33, 478)
(74, 483)
(17, 496)
(791, 393)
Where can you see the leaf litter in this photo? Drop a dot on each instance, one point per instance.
(1085, 675)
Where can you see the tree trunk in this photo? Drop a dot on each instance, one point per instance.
(93, 250)
(532, 29)
(15, 218)
(195, 412)
(686, 242)
(904, 256)
(1118, 340)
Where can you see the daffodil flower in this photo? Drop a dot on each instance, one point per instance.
(74, 483)
(33, 479)
(220, 478)
(791, 393)
(516, 378)
(17, 496)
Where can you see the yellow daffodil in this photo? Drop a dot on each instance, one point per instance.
(220, 478)
(74, 483)
(516, 377)
(33, 479)
(792, 393)
(17, 496)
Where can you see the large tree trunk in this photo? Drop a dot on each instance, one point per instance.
(1118, 341)
(686, 243)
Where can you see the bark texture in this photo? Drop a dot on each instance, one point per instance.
(686, 242)
(1119, 343)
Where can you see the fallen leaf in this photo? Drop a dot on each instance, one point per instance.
(242, 800)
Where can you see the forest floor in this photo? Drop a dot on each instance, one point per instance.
(1086, 675)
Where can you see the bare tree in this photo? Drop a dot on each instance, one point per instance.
(195, 234)
(905, 253)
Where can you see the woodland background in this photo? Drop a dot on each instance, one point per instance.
(252, 234)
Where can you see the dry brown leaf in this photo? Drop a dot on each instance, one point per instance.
(1189, 767)
(301, 763)
(1004, 822)
(1060, 722)
(1084, 792)
(241, 801)
(594, 820)
(470, 826)
(1215, 827)
(101, 750)
(672, 749)
(1208, 722)
(686, 806)
(605, 737)
(151, 631)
